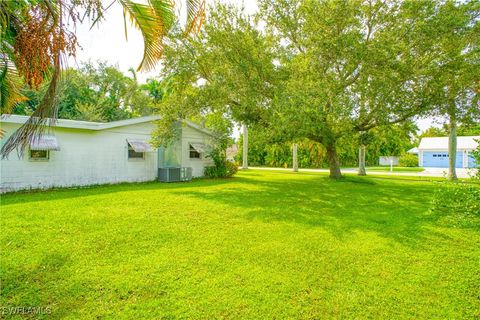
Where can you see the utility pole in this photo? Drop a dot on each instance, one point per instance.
(245, 148)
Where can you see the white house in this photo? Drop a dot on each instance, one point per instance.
(433, 152)
(79, 153)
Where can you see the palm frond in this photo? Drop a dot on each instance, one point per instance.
(10, 85)
(195, 15)
(42, 119)
(153, 21)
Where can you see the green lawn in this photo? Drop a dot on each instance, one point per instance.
(396, 169)
(263, 245)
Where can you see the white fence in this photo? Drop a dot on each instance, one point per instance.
(385, 161)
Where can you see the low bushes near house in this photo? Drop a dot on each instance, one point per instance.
(222, 168)
(457, 203)
(408, 160)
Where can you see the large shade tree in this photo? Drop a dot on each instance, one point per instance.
(321, 70)
(225, 75)
(455, 71)
(352, 66)
(36, 36)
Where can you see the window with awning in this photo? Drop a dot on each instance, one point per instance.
(139, 145)
(196, 149)
(44, 143)
(199, 147)
(137, 148)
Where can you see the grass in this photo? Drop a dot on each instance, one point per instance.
(264, 245)
(396, 169)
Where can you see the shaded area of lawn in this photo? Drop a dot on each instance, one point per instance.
(261, 245)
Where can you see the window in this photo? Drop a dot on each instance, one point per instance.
(132, 154)
(39, 155)
(194, 154)
(434, 155)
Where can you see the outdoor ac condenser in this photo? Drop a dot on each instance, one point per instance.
(174, 174)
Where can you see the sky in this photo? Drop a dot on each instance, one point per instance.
(106, 41)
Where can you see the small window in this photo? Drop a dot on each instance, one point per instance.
(132, 154)
(194, 154)
(434, 155)
(39, 155)
(445, 155)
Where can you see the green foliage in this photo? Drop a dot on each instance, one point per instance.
(267, 149)
(458, 203)
(476, 156)
(98, 92)
(408, 160)
(222, 167)
(226, 73)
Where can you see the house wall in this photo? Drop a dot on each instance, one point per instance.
(89, 157)
(86, 157)
(191, 135)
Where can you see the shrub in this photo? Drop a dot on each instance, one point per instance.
(457, 202)
(222, 168)
(476, 156)
(408, 160)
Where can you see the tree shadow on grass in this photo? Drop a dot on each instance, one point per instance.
(392, 208)
(39, 195)
(397, 211)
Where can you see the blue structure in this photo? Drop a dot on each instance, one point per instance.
(433, 152)
(439, 159)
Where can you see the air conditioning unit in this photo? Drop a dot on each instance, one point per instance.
(174, 174)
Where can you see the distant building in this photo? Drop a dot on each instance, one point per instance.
(232, 151)
(413, 151)
(433, 152)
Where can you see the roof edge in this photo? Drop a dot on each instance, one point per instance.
(97, 126)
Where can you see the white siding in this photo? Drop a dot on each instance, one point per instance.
(86, 157)
(190, 135)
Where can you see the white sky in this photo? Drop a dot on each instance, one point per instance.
(106, 41)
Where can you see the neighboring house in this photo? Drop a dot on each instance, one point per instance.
(79, 153)
(433, 152)
(232, 151)
(413, 151)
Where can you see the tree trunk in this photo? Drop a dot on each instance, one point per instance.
(245, 148)
(295, 158)
(335, 172)
(452, 148)
(361, 161)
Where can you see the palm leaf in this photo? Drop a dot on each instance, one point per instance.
(42, 119)
(153, 21)
(10, 85)
(195, 15)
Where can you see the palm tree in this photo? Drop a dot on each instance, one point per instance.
(35, 40)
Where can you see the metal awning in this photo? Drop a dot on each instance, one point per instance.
(139, 145)
(199, 147)
(44, 143)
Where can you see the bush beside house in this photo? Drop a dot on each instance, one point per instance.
(408, 160)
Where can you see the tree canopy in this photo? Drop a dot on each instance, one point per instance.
(326, 71)
(98, 92)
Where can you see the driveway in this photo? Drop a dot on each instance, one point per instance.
(428, 172)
